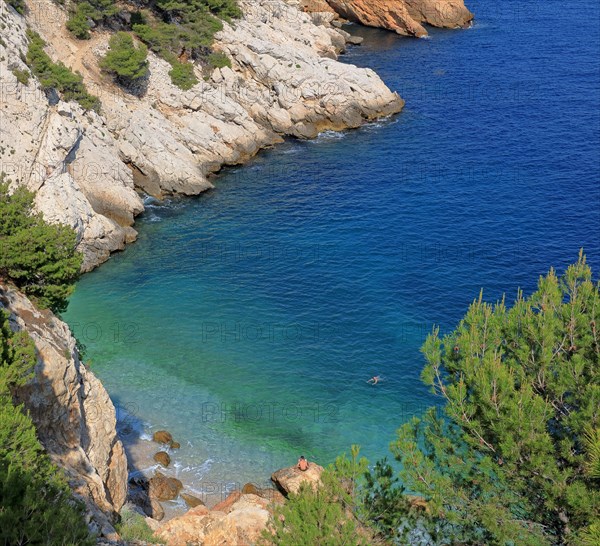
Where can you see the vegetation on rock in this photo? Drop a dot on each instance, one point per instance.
(39, 258)
(126, 61)
(133, 527)
(21, 75)
(218, 59)
(182, 75)
(19, 5)
(36, 506)
(57, 76)
(176, 31)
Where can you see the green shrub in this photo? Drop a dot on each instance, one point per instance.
(323, 515)
(161, 38)
(21, 75)
(79, 21)
(218, 59)
(90, 10)
(36, 506)
(134, 527)
(124, 60)
(39, 258)
(57, 76)
(182, 75)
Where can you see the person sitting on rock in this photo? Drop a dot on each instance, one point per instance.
(302, 463)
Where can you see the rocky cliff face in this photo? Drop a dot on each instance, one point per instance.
(87, 169)
(405, 17)
(74, 417)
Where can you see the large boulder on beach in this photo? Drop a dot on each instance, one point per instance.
(238, 523)
(288, 480)
(164, 488)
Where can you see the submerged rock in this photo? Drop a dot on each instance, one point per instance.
(191, 500)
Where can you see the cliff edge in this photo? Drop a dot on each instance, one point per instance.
(72, 412)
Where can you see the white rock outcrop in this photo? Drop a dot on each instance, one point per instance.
(88, 168)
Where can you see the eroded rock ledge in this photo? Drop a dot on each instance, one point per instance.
(87, 169)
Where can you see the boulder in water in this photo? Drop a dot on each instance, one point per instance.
(162, 437)
(162, 457)
(191, 500)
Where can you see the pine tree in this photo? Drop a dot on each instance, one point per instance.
(521, 391)
(126, 61)
(39, 258)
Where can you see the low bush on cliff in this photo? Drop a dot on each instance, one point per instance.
(133, 527)
(39, 258)
(36, 506)
(182, 75)
(88, 13)
(57, 76)
(126, 61)
(19, 5)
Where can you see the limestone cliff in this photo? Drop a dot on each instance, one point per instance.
(405, 17)
(74, 417)
(87, 169)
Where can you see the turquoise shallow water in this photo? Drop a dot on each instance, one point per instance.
(247, 321)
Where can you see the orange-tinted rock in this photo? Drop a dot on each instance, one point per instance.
(440, 13)
(388, 14)
(226, 504)
(405, 17)
(251, 489)
(162, 437)
(191, 500)
(162, 457)
(242, 525)
(316, 6)
(290, 479)
(164, 488)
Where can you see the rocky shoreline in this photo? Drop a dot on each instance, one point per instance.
(88, 170)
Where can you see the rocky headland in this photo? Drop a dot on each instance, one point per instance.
(405, 17)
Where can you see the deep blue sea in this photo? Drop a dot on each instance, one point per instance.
(247, 321)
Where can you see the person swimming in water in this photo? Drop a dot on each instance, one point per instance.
(374, 380)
